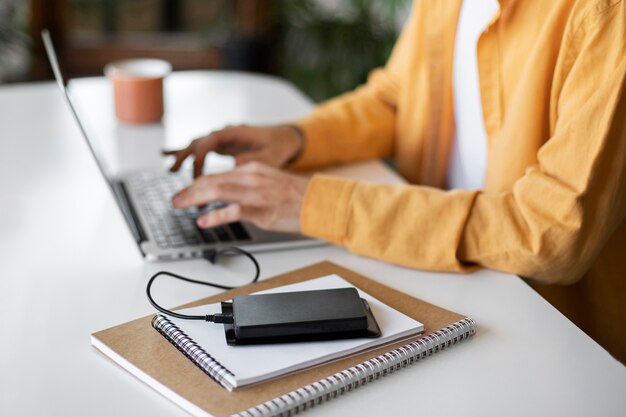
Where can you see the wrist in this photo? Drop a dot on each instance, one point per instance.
(297, 139)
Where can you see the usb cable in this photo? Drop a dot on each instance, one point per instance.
(211, 256)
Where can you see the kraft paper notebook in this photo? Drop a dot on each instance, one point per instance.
(147, 354)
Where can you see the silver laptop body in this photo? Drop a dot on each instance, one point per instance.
(162, 232)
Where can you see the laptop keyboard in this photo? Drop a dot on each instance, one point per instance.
(172, 227)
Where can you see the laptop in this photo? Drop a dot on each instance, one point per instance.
(161, 231)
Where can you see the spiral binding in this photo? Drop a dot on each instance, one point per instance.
(330, 387)
(193, 351)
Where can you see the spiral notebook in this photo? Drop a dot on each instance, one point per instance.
(235, 367)
(146, 354)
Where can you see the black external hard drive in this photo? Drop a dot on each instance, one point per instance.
(299, 316)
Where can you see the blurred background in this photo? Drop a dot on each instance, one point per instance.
(325, 47)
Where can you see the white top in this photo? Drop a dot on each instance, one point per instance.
(468, 158)
(70, 267)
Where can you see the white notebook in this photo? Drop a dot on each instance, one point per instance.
(238, 366)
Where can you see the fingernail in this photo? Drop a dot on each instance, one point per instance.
(203, 222)
(177, 201)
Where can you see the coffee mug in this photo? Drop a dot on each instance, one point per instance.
(138, 88)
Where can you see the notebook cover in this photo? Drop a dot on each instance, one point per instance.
(143, 347)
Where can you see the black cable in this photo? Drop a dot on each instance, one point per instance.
(212, 256)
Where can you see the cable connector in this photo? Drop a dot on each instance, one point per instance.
(225, 318)
(210, 255)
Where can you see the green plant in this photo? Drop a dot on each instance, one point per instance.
(328, 51)
(14, 55)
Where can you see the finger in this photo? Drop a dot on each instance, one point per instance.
(182, 154)
(198, 163)
(207, 192)
(203, 189)
(180, 158)
(207, 188)
(228, 214)
(236, 176)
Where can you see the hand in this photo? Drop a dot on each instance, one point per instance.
(262, 195)
(274, 146)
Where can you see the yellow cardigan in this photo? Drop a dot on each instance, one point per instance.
(553, 206)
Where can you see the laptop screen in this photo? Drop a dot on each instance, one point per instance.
(114, 187)
(52, 57)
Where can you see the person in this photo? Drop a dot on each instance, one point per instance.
(541, 122)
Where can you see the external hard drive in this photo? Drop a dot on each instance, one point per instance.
(299, 316)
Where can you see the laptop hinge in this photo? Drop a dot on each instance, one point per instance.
(129, 213)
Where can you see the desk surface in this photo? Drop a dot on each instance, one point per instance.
(69, 267)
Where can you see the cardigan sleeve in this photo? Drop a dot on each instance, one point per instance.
(552, 223)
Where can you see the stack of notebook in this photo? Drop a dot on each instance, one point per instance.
(210, 378)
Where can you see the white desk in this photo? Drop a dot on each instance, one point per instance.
(69, 267)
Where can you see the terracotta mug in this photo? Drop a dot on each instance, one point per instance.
(138, 88)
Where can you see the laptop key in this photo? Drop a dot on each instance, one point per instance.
(176, 241)
(208, 236)
(238, 231)
(222, 234)
(192, 240)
